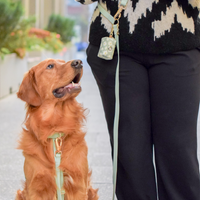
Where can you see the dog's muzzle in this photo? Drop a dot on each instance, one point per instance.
(73, 85)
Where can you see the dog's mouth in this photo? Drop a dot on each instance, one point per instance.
(73, 86)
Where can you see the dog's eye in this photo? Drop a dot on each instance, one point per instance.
(50, 66)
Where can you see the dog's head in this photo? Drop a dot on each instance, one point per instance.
(51, 80)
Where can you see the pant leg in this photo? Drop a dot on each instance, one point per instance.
(135, 178)
(174, 92)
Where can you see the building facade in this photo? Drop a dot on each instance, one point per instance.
(42, 9)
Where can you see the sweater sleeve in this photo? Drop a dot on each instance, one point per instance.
(85, 2)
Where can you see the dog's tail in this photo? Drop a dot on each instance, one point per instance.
(92, 193)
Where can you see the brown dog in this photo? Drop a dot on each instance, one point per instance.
(49, 89)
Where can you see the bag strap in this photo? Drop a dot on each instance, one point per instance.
(112, 19)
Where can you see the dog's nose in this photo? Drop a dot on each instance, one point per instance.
(77, 64)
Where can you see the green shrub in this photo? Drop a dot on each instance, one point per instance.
(27, 38)
(53, 43)
(19, 41)
(63, 26)
(48, 40)
(10, 14)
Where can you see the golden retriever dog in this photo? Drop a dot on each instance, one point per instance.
(49, 89)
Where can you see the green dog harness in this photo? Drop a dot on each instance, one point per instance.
(57, 144)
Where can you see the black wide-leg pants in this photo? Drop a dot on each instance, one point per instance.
(159, 102)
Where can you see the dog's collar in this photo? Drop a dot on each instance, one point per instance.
(56, 135)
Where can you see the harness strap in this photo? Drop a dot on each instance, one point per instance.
(59, 173)
(117, 101)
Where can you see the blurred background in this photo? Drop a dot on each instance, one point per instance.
(31, 31)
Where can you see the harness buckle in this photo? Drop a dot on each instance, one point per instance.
(58, 145)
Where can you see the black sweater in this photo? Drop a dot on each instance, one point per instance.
(150, 26)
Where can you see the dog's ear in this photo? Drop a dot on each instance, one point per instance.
(27, 91)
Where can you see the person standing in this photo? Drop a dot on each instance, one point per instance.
(159, 87)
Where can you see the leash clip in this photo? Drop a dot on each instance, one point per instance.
(58, 145)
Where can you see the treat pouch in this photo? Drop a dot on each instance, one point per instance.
(107, 48)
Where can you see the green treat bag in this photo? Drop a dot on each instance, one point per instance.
(107, 48)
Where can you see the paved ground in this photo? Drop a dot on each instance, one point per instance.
(11, 160)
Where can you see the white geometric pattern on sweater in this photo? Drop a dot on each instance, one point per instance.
(194, 3)
(168, 19)
(104, 21)
(141, 9)
(159, 26)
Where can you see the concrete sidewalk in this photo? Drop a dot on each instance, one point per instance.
(12, 114)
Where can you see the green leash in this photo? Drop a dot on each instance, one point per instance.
(117, 102)
(57, 142)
